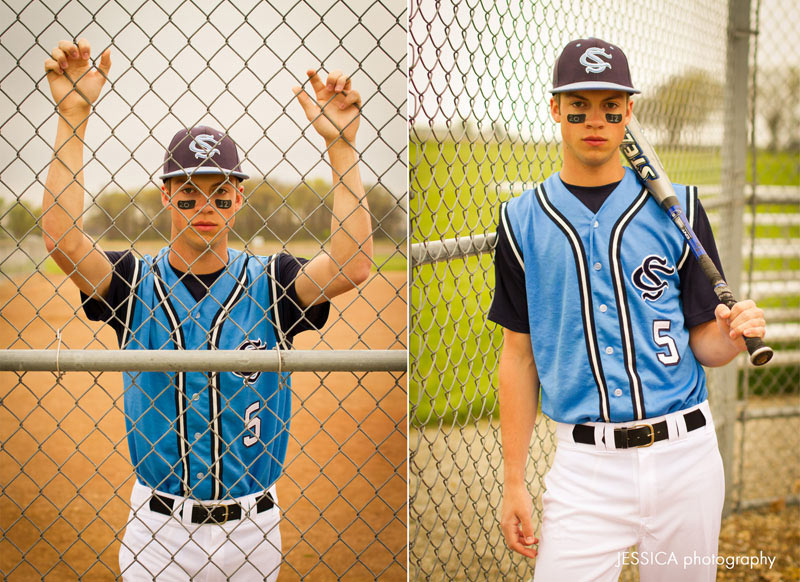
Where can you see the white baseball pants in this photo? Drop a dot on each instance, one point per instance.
(172, 548)
(666, 499)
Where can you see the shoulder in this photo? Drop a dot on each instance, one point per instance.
(523, 199)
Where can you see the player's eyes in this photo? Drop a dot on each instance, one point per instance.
(578, 104)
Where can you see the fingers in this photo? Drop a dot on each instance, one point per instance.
(69, 49)
(307, 103)
(66, 51)
(351, 98)
(316, 82)
(722, 312)
(84, 48)
(58, 55)
(519, 536)
(526, 532)
(337, 82)
(105, 61)
(746, 319)
(52, 66)
(82, 51)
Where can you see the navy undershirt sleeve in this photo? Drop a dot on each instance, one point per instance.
(510, 302)
(293, 318)
(111, 307)
(699, 299)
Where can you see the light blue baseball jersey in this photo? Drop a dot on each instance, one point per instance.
(603, 293)
(206, 435)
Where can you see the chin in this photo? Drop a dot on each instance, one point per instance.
(598, 158)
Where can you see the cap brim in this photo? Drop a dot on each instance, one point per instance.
(593, 86)
(203, 170)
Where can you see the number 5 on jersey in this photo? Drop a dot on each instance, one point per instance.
(672, 356)
(252, 424)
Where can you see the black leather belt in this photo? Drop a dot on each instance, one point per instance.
(641, 435)
(219, 513)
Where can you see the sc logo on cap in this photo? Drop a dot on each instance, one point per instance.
(203, 146)
(591, 60)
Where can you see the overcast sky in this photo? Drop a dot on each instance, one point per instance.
(175, 66)
(497, 64)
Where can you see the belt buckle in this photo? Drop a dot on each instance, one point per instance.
(211, 509)
(227, 507)
(652, 434)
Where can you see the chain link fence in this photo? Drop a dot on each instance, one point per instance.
(65, 465)
(716, 80)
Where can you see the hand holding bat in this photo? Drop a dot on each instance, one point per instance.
(644, 161)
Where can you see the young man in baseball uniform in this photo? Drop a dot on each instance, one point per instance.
(595, 282)
(206, 448)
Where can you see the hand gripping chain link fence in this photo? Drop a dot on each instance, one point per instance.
(481, 133)
(65, 468)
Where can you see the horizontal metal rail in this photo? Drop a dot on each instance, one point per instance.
(204, 360)
(781, 358)
(769, 412)
(712, 197)
(778, 501)
(452, 248)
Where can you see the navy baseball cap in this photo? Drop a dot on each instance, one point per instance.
(201, 150)
(591, 64)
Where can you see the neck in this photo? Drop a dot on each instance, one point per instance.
(199, 261)
(578, 174)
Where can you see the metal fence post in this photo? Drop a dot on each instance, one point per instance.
(734, 163)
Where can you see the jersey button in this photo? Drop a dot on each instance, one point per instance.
(197, 436)
(609, 350)
(196, 397)
(597, 266)
(200, 475)
(617, 392)
(604, 308)
(596, 224)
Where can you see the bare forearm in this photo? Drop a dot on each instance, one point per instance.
(351, 224)
(519, 396)
(62, 212)
(711, 347)
(62, 204)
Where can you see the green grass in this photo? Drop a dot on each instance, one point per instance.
(455, 346)
(50, 267)
(456, 188)
(393, 262)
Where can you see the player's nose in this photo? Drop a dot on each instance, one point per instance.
(595, 117)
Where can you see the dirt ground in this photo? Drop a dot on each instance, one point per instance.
(64, 464)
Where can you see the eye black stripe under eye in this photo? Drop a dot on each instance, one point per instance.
(223, 203)
(186, 204)
(576, 117)
(613, 117)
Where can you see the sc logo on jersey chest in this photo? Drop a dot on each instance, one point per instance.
(250, 377)
(647, 277)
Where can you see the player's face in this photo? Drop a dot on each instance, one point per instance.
(592, 124)
(203, 208)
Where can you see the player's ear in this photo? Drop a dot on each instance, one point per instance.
(555, 108)
(628, 109)
(165, 194)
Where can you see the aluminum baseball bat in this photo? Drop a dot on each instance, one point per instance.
(644, 161)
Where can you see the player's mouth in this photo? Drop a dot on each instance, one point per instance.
(594, 140)
(204, 226)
